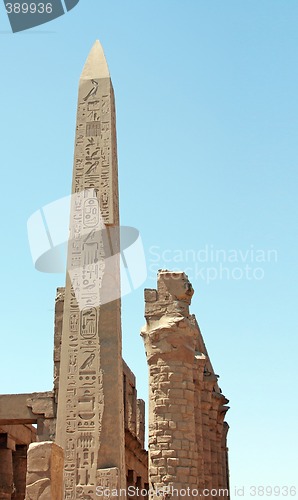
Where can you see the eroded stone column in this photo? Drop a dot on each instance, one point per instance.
(131, 484)
(169, 336)
(19, 459)
(6, 468)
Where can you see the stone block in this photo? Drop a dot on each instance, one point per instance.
(173, 461)
(176, 393)
(169, 453)
(150, 295)
(6, 473)
(184, 426)
(163, 446)
(183, 471)
(177, 445)
(158, 461)
(185, 462)
(171, 470)
(164, 439)
(44, 472)
(178, 434)
(163, 424)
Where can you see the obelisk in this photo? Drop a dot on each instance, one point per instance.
(90, 424)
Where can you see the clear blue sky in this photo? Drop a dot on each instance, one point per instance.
(207, 121)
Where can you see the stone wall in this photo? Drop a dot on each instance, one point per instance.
(136, 457)
(18, 410)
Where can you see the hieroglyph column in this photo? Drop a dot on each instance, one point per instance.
(90, 425)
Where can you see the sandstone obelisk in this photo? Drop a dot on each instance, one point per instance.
(90, 424)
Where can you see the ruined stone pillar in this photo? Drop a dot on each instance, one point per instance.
(169, 336)
(131, 484)
(139, 487)
(19, 459)
(6, 467)
(44, 471)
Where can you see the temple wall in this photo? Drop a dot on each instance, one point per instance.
(134, 409)
(14, 443)
(187, 428)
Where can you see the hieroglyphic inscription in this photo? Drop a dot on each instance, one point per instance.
(93, 159)
(108, 482)
(92, 206)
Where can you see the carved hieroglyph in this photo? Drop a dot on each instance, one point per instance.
(108, 482)
(90, 424)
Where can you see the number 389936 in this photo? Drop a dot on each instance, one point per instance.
(29, 8)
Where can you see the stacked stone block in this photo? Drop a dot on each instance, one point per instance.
(187, 442)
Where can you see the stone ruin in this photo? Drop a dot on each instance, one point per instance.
(86, 437)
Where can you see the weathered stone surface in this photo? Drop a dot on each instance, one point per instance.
(90, 418)
(44, 472)
(19, 459)
(38, 407)
(59, 305)
(6, 469)
(136, 458)
(186, 407)
(170, 338)
(42, 404)
(107, 481)
(141, 421)
(21, 434)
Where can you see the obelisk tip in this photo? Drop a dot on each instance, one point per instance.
(96, 64)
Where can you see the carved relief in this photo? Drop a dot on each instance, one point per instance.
(93, 128)
(93, 205)
(108, 480)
